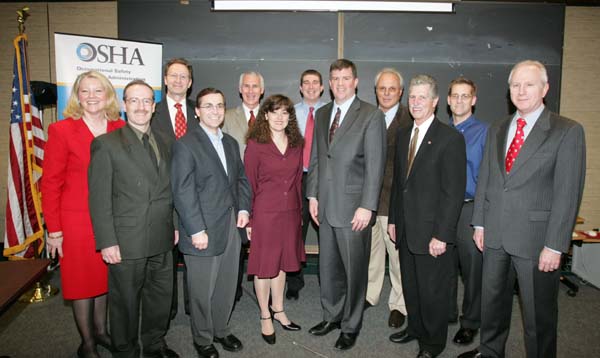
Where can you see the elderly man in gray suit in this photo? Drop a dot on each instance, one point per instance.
(528, 194)
(212, 196)
(344, 181)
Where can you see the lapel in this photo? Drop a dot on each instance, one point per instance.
(501, 138)
(402, 147)
(135, 149)
(241, 121)
(426, 146)
(210, 150)
(347, 121)
(534, 140)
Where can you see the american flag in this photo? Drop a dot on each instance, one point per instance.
(26, 154)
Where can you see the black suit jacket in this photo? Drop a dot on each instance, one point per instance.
(161, 120)
(204, 194)
(427, 203)
(130, 201)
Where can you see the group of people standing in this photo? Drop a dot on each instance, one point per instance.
(193, 177)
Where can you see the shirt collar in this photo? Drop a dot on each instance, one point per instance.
(211, 135)
(344, 106)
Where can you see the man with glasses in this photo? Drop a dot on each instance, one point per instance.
(173, 115)
(131, 207)
(212, 196)
(462, 96)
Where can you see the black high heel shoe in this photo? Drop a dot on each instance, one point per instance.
(104, 341)
(269, 338)
(288, 327)
(86, 352)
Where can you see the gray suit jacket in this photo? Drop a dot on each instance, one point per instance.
(537, 203)
(347, 173)
(204, 194)
(236, 125)
(130, 201)
(161, 120)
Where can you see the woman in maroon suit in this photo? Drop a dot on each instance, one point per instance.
(273, 161)
(92, 110)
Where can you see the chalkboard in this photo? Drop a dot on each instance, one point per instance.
(481, 40)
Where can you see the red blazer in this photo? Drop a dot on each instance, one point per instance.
(65, 177)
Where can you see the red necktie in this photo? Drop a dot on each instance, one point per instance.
(252, 119)
(308, 136)
(515, 145)
(335, 124)
(180, 126)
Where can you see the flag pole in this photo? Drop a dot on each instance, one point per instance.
(40, 292)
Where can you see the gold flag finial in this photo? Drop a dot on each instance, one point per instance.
(22, 15)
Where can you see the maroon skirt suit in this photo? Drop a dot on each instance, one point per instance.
(65, 206)
(276, 219)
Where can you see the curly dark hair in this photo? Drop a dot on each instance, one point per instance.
(260, 131)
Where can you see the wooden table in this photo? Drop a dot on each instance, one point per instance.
(16, 277)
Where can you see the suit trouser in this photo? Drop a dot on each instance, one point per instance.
(186, 299)
(148, 281)
(380, 244)
(539, 294)
(426, 283)
(211, 286)
(468, 259)
(343, 266)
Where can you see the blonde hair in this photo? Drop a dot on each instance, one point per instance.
(74, 109)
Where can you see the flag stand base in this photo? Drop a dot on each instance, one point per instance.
(40, 293)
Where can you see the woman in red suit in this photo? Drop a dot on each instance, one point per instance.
(273, 161)
(92, 110)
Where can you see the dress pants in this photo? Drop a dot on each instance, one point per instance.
(295, 280)
(344, 267)
(426, 284)
(380, 244)
(212, 285)
(146, 281)
(539, 294)
(468, 261)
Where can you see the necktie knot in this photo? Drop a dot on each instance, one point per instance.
(521, 123)
(178, 105)
(311, 110)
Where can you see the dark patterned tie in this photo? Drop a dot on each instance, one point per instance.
(412, 149)
(335, 124)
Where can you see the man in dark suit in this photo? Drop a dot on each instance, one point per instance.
(173, 116)
(388, 88)
(427, 195)
(212, 197)
(529, 190)
(344, 180)
(131, 207)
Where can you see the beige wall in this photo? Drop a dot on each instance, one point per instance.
(89, 18)
(580, 91)
(580, 96)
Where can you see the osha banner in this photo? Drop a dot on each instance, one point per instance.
(121, 61)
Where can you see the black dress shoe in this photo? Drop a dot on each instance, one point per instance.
(323, 328)
(87, 352)
(402, 337)
(425, 354)
(164, 352)
(471, 354)
(464, 336)
(288, 327)
(292, 294)
(345, 341)
(230, 343)
(396, 319)
(269, 338)
(207, 351)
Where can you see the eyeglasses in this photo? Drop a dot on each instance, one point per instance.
(463, 96)
(175, 76)
(134, 101)
(211, 107)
